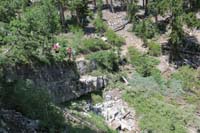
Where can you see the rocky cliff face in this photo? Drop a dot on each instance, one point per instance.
(62, 80)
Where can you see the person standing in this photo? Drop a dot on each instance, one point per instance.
(56, 47)
(69, 53)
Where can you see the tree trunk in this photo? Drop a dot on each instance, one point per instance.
(146, 7)
(95, 3)
(107, 2)
(111, 6)
(78, 17)
(62, 16)
(143, 3)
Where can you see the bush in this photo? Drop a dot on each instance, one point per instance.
(145, 29)
(114, 39)
(42, 19)
(107, 60)
(154, 49)
(32, 102)
(96, 98)
(189, 78)
(93, 45)
(191, 20)
(144, 64)
(157, 116)
(99, 25)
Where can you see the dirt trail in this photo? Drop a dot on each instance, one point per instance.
(132, 40)
(116, 19)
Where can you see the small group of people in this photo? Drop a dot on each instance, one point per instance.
(56, 48)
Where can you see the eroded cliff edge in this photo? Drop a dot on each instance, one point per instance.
(62, 80)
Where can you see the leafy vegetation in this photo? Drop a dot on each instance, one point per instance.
(93, 45)
(156, 115)
(145, 29)
(100, 123)
(189, 78)
(28, 30)
(33, 102)
(114, 39)
(99, 25)
(144, 64)
(154, 49)
(107, 60)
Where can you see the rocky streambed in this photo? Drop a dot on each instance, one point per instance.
(115, 112)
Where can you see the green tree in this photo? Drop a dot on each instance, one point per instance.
(42, 18)
(79, 9)
(10, 8)
(60, 5)
(132, 8)
(176, 36)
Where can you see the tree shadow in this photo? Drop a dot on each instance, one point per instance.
(188, 52)
(162, 25)
(88, 30)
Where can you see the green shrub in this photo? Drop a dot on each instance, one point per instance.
(42, 18)
(175, 88)
(191, 20)
(189, 78)
(75, 29)
(96, 98)
(93, 45)
(145, 29)
(114, 39)
(107, 60)
(155, 113)
(100, 123)
(157, 116)
(154, 49)
(32, 102)
(99, 25)
(145, 65)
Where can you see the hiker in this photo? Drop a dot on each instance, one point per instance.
(56, 47)
(69, 52)
(73, 54)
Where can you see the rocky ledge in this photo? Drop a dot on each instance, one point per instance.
(62, 80)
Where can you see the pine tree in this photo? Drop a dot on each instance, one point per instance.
(79, 8)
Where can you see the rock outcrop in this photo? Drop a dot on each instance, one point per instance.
(62, 80)
(91, 83)
(14, 122)
(85, 66)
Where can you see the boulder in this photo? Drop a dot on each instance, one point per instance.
(82, 66)
(91, 83)
(85, 66)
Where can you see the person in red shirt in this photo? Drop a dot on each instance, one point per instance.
(69, 52)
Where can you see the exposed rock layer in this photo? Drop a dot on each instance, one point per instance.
(62, 80)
